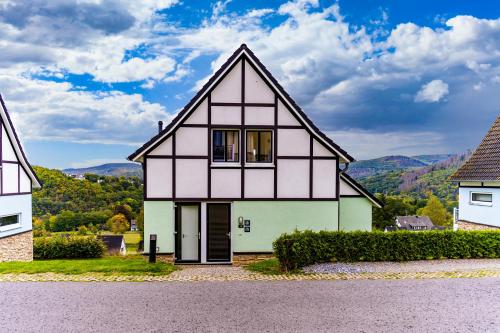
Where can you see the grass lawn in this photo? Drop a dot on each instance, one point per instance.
(268, 267)
(130, 265)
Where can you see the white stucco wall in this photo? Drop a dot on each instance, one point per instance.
(489, 215)
(7, 149)
(16, 204)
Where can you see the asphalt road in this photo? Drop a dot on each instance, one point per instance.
(448, 305)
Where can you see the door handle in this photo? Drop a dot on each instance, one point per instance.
(229, 234)
(199, 235)
(183, 235)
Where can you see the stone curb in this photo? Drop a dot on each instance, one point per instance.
(53, 277)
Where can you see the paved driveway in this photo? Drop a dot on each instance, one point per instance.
(444, 305)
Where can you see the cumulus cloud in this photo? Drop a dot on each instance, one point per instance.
(70, 115)
(432, 92)
(348, 78)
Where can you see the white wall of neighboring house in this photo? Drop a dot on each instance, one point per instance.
(16, 204)
(479, 213)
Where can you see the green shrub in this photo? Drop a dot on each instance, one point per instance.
(304, 248)
(67, 247)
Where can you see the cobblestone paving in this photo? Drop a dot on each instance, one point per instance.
(228, 273)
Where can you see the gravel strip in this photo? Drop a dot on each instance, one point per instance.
(447, 265)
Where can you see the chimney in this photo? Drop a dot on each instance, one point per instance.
(160, 126)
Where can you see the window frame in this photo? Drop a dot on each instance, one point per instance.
(225, 163)
(480, 203)
(259, 163)
(12, 226)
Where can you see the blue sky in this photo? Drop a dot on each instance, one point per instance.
(87, 81)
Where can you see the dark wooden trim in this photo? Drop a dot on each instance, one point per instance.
(289, 126)
(243, 133)
(275, 155)
(16, 193)
(173, 165)
(145, 176)
(191, 157)
(159, 157)
(10, 162)
(306, 157)
(209, 140)
(243, 103)
(194, 125)
(18, 178)
(239, 199)
(311, 166)
(337, 179)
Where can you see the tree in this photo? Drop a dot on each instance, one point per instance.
(392, 206)
(436, 211)
(118, 224)
(125, 210)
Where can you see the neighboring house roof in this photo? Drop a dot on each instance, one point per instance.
(113, 243)
(16, 144)
(414, 222)
(360, 189)
(484, 164)
(242, 51)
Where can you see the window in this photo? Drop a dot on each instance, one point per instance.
(9, 222)
(480, 198)
(259, 147)
(225, 146)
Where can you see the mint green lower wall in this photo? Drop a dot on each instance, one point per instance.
(355, 214)
(269, 219)
(159, 220)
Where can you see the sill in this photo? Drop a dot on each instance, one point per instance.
(225, 164)
(485, 204)
(259, 165)
(10, 227)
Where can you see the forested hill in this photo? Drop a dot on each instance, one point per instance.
(416, 181)
(94, 193)
(109, 169)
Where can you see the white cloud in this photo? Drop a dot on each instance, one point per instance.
(432, 92)
(69, 115)
(369, 144)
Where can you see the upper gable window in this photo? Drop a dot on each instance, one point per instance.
(225, 146)
(259, 146)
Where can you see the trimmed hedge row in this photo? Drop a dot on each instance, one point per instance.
(67, 247)
(303, 248)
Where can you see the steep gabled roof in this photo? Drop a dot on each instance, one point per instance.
(16, 144)
(360, 189)
(242, 51)
(484, 164)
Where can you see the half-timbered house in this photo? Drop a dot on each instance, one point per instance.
(240, 165)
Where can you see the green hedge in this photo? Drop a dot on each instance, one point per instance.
(304, 248)
(67, 247)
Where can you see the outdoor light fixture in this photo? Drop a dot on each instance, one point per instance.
(152, 248)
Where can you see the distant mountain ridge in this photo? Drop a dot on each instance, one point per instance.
(108, 169)
(416, 181)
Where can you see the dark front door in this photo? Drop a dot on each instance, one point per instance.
(218, 232)
(187, 232)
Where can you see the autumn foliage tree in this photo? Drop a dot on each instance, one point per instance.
(436, 211)
(118, 224)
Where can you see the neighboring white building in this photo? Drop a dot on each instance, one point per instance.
(479, 185)
(17, 178)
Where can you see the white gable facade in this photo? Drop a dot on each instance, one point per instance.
(240, 165)
(16, 182)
